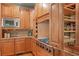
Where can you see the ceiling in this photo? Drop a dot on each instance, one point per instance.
(29, 5)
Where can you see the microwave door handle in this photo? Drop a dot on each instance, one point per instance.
(2, 22)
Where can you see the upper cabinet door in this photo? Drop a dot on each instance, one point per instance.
(25, 18)
(42, 9)
(15, 11)
(9, 10)
(77, 25)
(54, 23)
(6, 10)
(45, 8)
(0, 10)
(39, 9)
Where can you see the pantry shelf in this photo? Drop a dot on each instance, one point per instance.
(70, 31)
(67, 20)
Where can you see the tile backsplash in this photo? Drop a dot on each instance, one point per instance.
(16, 33)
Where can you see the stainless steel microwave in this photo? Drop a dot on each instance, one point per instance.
(10, 22)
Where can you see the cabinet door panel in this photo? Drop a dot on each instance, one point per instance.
(55, 23)
(25, 18)
(28, 45)
(45, 8)
(6, 10)
(19, 45)
(15, 11)
(8, 47)
(39, 9)
(34, 49)
(42, 9)
(0, 11)
(0, 53)
(0, 48)
(10, 10)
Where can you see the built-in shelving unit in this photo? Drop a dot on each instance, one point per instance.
(69, 24)
(69, 7)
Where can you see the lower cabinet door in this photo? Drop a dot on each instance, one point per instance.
(20, 45)
(28, 44)
(34, 48)
(7, 47)
(0, 48)
(0, 53)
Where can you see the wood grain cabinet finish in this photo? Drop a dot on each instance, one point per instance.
(55, 24)
(7, 47)
(19, 45)
(28, 44)
(43, 52)
(39, 9)
(25, 17)
(0, 10)
(42, 9)
(34, 49)
(45, 8)
(15, 11)
(0, 53)
(77, 24)
(9, 10)
(0, 49)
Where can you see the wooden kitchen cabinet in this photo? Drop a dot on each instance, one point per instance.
(0, 10)
(0, 53)
(34, 47)
(28, 44)
(25, 18)
(42, 12)
(15, 11)
(39, 9)
(0, 49)
(7, 47)
(55, 24)
(42, 9)
(20, 45)
(9, 10)
(45, 8)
